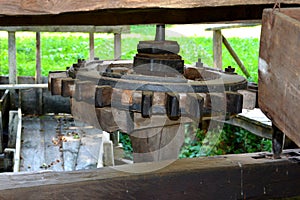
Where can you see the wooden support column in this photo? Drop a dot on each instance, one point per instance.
(38, 72)
(217, 48)
(12, 63)
(235, 57)
(92, 45)
(117, 46)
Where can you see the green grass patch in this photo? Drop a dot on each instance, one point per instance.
(62, 50)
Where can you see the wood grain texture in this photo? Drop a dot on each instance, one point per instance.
(37, 7)
(120, 12)
(230, 177)
(279, 88)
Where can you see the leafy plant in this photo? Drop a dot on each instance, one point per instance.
(125, 140)
(229, 140)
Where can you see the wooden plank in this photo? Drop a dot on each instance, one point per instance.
(117, 46)
(17, 156)
(86, 29)
(238, 25)
(92, 12)
(248, 176)
(217, 49)
(279, 92)
(30, 7)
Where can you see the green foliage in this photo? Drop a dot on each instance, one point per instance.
(229, 140)
(126, 142)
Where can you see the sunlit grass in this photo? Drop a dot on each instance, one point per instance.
(60, 50)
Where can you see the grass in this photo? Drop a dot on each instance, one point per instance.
(62, 50)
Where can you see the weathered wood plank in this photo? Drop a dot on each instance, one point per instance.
(17, 156)
(229, 177)
(92, 12)
(279, 91)
(32, 7)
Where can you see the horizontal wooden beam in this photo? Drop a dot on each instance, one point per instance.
(42, 7)
(230, 177)
(120, 12)
(87, 29)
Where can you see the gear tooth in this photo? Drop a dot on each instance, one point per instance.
(147, 101)
(172, 106)
(67, 87)
(234, 102)
(85, 91)
(194, 106)
(55, 74)
(136, 101)
(103, 96)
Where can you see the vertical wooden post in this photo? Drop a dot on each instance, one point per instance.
(217, 48)
(92, 46)
(12, 67)
(38, 77)
(38, 72)
(117, 46)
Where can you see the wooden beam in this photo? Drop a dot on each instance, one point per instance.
(217, 49)
(235, 57)
(117, 46)
(42, 7)
(92, 12)
(250, 176)
(17, 155)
